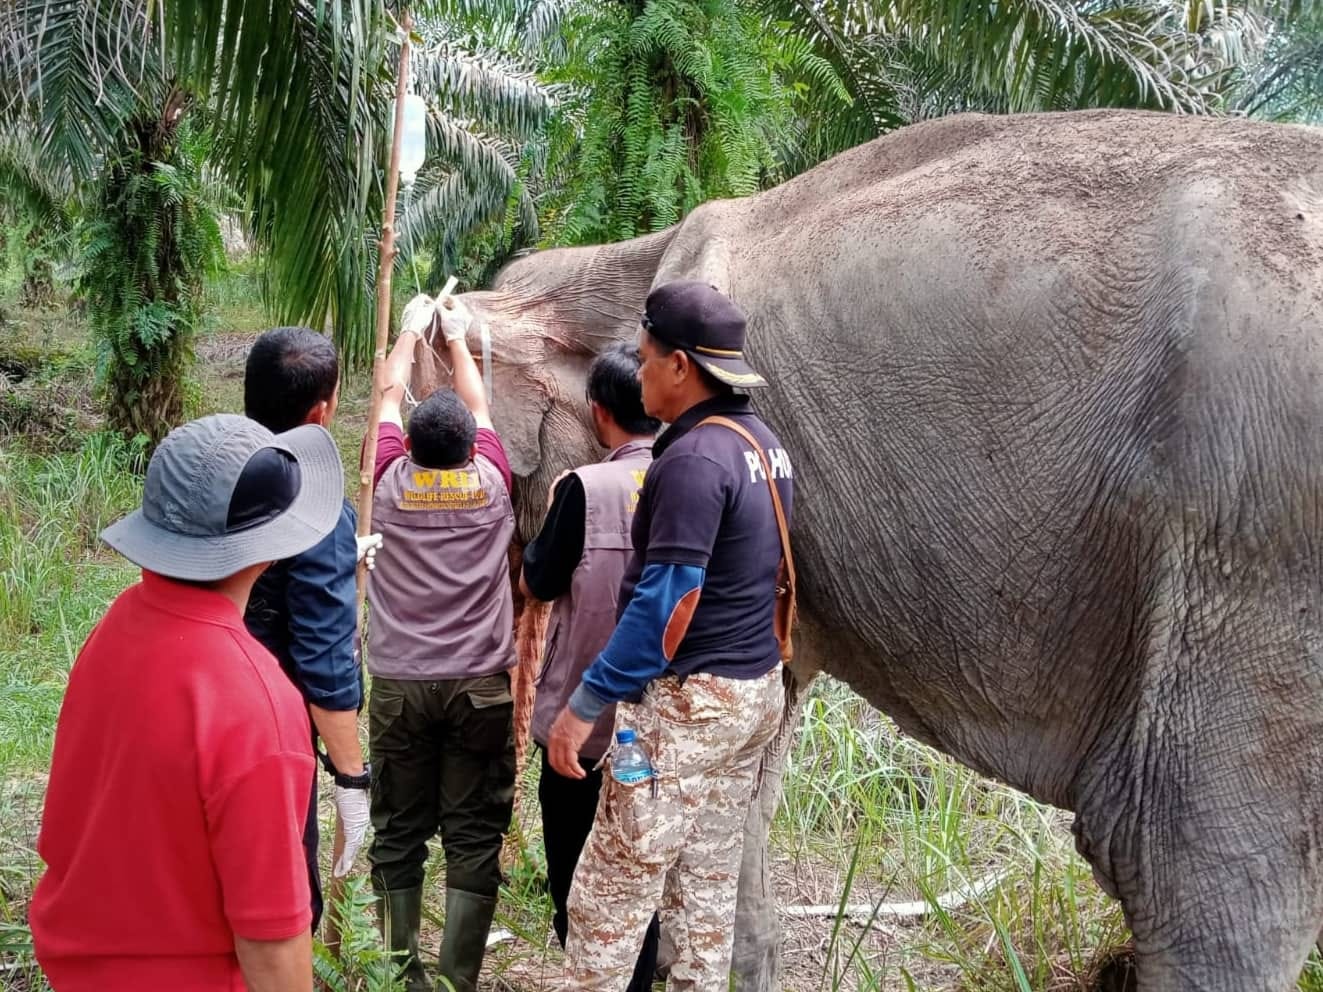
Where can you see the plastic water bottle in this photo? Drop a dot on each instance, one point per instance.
(629, 761)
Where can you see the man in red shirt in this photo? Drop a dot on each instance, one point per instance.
(175, 808)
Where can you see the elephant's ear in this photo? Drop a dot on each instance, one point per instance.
(699, 251)
(520, 401)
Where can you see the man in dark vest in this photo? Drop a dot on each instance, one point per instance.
(440, 647)
(577, 562)
(695, 653)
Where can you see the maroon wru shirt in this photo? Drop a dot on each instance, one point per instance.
(440, 595)
(390, 446)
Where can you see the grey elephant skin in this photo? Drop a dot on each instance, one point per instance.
(1052, 387)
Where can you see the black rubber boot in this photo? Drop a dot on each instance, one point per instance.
(399, 915)
(468, 921)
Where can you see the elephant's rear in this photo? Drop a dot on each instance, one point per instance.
(1226, 747)
(1030, 334)
(1076, 365)
(1235, 419)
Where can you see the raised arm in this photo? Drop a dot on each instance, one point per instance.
(414, 322)
(466, 380)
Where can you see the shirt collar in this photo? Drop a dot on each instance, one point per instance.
(629, 448)
(723, 404)
(188, 600)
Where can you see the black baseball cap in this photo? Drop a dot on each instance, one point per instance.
(707, 326)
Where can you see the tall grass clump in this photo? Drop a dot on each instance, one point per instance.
(235, 295)
(20, 809)
(55, 579)
(875, 819)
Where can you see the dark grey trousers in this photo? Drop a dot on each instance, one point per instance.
(443, 760)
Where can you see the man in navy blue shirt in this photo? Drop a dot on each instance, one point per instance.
(694, 650)
(303, 609)
(577, 562)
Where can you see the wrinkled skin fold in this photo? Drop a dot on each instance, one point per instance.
(1052, 388)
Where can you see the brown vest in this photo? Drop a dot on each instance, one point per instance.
(439, 597)
(582, 620)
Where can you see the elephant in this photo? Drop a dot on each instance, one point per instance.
(1053, 388)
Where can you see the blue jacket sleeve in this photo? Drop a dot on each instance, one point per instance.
(645, 639)
(320, 597)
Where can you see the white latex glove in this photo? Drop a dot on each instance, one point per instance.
(455, 318)
(367, 549)
(352, 807)
(418, 315)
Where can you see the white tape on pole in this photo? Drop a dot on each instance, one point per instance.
(446, 290)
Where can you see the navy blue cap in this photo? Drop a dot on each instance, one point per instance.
(706, 325)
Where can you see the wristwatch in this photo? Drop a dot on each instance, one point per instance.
(363, 780)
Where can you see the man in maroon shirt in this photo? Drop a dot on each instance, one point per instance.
(440, 650)
(180, 780)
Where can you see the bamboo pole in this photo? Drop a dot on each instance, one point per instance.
(385, 266)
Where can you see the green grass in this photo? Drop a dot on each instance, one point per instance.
(871, 816)
(236, 299)
(56, 579)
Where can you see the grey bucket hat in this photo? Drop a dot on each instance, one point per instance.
(184, 528)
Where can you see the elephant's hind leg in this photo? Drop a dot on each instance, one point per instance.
(756, 962)
(1221, 930)
(1216, 858)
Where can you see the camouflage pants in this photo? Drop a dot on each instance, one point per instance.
(678, 850)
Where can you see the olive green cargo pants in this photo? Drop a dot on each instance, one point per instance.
(443, 759)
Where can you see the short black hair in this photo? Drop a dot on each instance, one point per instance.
(289, 371)
(441, 431)
(613, 384)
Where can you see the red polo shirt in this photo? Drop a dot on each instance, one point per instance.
(176, 802)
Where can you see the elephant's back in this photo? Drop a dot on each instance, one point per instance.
(1010, 180)
(1101, 274)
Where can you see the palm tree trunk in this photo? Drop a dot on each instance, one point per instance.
(148, 405)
